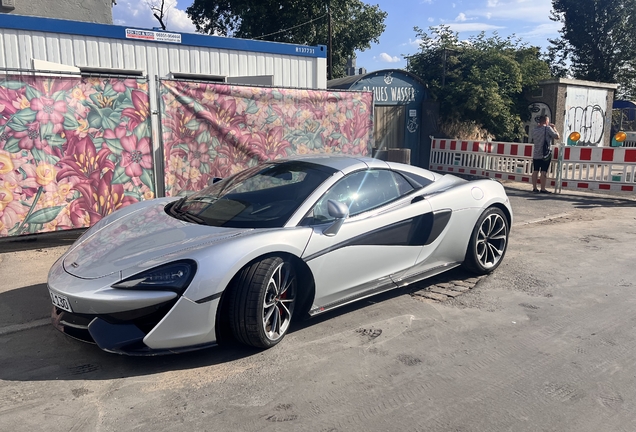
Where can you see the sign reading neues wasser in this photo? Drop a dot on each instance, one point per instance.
(392, 94)
(389, 89)
(149, 35)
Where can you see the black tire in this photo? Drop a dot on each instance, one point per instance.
(261, 302)
(488, 242)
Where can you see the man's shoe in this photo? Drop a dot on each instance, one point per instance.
(535, 190)
(545, 191)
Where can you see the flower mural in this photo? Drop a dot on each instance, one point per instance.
(72, 150)
(214, 130)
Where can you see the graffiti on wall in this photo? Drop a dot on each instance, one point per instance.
(215, 130)
(585, 112)
(589, 121)
(536, 109)
(72, 150)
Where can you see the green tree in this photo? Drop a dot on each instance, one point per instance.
(355, 24)
(480, 81)
(597, 42)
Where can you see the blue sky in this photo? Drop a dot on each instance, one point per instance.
(527, 19)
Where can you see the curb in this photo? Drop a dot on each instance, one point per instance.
(26, 326)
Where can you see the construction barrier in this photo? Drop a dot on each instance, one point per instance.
(591, 168)
(630, 140)
(598, 168)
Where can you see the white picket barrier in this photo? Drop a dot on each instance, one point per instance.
(631, 139)
(592, 168)
(500, 160)
(599, 168)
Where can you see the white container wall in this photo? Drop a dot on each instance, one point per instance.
(80, 44)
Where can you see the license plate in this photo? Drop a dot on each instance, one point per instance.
(60, 301)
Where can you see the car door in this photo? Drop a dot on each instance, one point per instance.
(379, 237)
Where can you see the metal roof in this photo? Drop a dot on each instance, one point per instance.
(79, 28)
(350, 81)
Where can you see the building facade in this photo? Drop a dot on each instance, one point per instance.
(404, 118)
(575, 106)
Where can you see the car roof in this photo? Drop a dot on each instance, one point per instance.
(348, 163)
(340, 162)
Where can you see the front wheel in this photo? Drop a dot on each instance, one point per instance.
(488, 242)
(262, 302)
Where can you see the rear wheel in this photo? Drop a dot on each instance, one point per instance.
(262, 302)
(488, 242)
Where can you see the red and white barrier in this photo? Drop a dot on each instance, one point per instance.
(599, 168)
(593, 168)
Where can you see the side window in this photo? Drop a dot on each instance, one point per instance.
(362, 191)
(417, 180)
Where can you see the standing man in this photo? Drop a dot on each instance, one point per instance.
(544, 131)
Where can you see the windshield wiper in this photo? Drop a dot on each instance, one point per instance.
(190, 217)
(205, 199)
(175, 210)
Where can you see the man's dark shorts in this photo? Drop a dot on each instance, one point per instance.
(541, 164)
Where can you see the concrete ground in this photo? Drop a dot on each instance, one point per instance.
(545, 343)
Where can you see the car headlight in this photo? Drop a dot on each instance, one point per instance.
(175, 276)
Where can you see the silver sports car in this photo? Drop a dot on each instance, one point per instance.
(243, 257)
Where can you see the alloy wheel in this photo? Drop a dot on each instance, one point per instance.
(278, 303)
(491, 240)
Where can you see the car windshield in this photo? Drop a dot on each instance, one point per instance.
(264, 196)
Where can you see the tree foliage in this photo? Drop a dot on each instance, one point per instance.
(481, 80)
(597, 42)
(355, 24)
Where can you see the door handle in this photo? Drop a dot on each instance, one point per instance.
(417, 199)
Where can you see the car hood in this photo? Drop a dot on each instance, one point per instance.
(135, 238)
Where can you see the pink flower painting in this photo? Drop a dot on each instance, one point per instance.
(214, 130)
(72, 150)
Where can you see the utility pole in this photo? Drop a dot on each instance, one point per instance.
(329, 46)
(444, 63)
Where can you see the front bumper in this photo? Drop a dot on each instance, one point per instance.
(121, 333)
(129, 321)
(127, 332)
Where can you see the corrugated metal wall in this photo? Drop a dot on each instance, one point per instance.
(19, 47)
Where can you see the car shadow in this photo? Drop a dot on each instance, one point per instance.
(24, 305)
(42, 353)
(31, 349)
(456, 274)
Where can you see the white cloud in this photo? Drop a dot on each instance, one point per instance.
(134, 13)
(472, 27)
(550, 30)
(179, 20)
(415, 43)
(431, 19)
(386, 58)
(536, 11)
(461, 17)
(137, 13)
(426, 2)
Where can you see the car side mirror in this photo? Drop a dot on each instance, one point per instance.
(339, 211)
